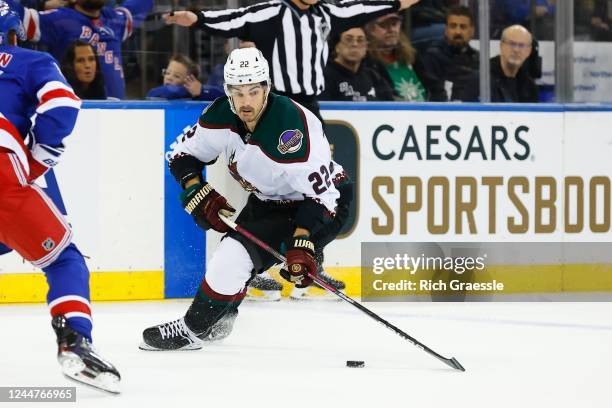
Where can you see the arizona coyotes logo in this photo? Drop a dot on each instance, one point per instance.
(233, 169)
(290, 141)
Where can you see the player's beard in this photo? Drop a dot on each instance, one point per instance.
(92, 5)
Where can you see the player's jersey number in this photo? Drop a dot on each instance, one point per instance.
(320, 180)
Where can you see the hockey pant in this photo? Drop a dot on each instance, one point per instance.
(32, 225)
(237, 259)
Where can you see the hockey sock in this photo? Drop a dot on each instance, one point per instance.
(68, 279)
(209, 306)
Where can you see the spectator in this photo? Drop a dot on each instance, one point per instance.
(216, 75)
(448, 64)
(600, 21)
(389, 46)
(181, 82)
(42, 5)
(292, 35)
(348, 77)
(215, 78)
(510, 79)
(512, 12)
(82, 71)
(91, 21)
(427, 22)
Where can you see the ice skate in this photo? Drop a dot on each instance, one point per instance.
(174, 335)
(264, 288)
(222, 328)
(79, 360)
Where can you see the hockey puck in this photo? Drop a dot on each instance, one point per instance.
(355, 364)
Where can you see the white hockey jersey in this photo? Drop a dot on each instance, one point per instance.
(286, 158)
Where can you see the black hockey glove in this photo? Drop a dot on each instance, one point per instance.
(203, 203)
(344, 203)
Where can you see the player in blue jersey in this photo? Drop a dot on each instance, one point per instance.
(90, 21)
(30, 223)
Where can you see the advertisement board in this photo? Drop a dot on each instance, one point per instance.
(423, 173)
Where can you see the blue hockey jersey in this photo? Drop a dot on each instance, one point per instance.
(60, 27)
(170, 92)
(32, 84)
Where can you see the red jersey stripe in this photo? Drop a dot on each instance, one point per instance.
(70, 306)
(57, 93)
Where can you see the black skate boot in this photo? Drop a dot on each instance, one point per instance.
(207, 319)
(338, 284)
(222, 328)
(79, 360)
(264, 288)
(320, 258)
(174, 335)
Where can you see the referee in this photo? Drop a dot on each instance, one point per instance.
(292, 35)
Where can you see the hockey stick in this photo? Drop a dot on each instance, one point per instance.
(451, 362)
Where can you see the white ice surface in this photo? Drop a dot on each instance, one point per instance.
(293, 354)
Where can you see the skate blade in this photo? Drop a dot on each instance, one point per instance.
(258, 295)
(146, 347)
(313, 294)
(74, 369)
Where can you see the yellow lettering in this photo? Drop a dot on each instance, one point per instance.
(377, 227)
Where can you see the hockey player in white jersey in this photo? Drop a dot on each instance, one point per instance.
(276, 150)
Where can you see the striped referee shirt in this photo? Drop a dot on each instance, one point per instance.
(294, 41)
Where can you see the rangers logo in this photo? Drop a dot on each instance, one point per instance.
(290, 141)
(85, 33)
(48, 244)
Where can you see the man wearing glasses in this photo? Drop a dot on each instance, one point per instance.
(510, 80)
(349, 77)
(180, 81)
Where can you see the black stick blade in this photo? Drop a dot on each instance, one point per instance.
(452, 362)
